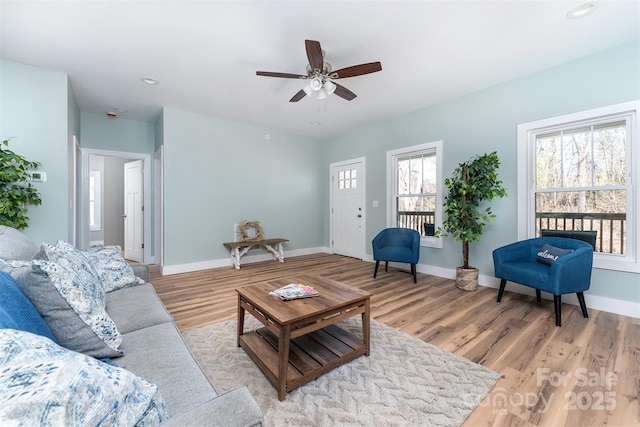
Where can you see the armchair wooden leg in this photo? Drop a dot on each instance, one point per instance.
(557, 303)
(503, 283)
(386, 265)
(413, 271)
(538, 296)
(583, 306)
(375, 272)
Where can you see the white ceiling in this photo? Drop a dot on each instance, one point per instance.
(205, 53)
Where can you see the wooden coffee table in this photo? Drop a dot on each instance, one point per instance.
(300, 340)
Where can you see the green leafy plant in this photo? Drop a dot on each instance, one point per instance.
(471, 183)
(16, 189)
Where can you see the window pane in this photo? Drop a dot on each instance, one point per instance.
(403, 176)
(603, 211)
(548, 162)
(415, 211)
(92, 215)
(415, 182)
(610, 165)
(429, 174)
(576, 156)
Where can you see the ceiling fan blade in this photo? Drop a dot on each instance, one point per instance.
(314, 54)
(298, 96)
(343, 92)
(357, 70)
(283, 75)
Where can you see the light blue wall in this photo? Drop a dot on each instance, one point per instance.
(35, 108)
(123, 136)
(218, 172)
(485, 121)
(117, 134)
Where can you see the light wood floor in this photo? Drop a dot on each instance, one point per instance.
(585, 373)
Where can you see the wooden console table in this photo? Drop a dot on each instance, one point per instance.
(238, 249)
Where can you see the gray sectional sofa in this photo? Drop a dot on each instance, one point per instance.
(153, 349)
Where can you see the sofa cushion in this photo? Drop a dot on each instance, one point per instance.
(160, 355)
(549, 254)
(15, 245)
(64, 307)
(17, 312)
(42, 383)
(136, 307)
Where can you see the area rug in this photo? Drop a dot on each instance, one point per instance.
(404, 382)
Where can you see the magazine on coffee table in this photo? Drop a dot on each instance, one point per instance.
(294, 291)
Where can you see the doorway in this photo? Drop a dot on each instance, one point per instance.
(348, 208)
(103, 216)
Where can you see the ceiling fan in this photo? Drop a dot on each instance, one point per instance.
(321, 75)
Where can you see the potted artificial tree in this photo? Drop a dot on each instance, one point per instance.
(16, 189)
(472, 182)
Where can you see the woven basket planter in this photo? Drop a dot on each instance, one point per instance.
(467, 278)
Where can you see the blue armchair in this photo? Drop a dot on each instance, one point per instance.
(397, 245)
(518, 262)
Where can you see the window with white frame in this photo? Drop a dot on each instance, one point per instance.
(581, 175)
(95, 201)
(414, 190)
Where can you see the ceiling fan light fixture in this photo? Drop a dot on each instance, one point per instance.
(316, 83)
(322, 93)
(320, 73)
(330, 87)
(307, 89)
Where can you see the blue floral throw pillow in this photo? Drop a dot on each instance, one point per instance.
(113, 270)
(43, 384)
(550, 254)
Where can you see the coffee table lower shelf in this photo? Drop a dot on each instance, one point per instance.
(310, 355)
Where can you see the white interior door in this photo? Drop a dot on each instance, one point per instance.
(348, 208)
(133, 211)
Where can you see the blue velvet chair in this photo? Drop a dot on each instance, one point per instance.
(518, 262)
(397, 245)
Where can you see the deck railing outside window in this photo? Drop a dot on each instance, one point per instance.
(611, 227)
(417, 221)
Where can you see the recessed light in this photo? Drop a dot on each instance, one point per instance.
(582, 10)
(149, 80)
(120, 110)
(316, 123)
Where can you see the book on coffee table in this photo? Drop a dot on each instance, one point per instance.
(294, 291)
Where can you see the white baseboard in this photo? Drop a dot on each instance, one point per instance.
(597, 302)
(226, 262)
(95, 243)
(610, 305)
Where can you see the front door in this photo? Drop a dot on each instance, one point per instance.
(348, 208)
(133, 211)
